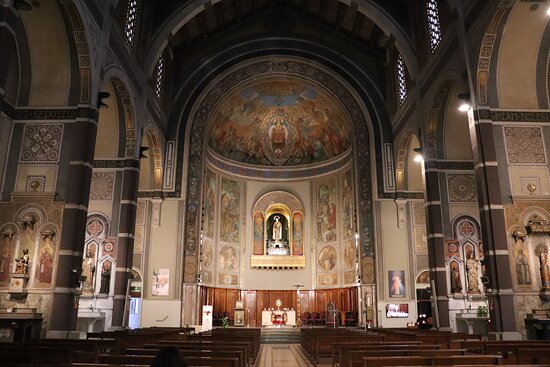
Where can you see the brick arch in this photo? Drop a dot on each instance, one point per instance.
(436, 116)
(280, 197)
(125, 101)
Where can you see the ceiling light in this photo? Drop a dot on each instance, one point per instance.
(418, 157)
(465, 105)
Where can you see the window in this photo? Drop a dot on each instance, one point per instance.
(130, 22)
(159, 72)
(434, 26)
(401, 79)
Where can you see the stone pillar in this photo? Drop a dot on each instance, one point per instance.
(125, 248)
(493, 225)
(436, 244)
(77, 192)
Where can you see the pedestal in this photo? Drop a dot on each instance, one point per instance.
(18, 283)
(472, 324)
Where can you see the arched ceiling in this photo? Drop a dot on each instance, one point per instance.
(280, 120)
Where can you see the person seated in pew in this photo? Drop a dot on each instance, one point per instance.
(422, 322)
(168, 357)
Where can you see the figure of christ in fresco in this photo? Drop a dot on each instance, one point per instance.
(258, 234)
(209, 199)
(278, 135)
(297, 235)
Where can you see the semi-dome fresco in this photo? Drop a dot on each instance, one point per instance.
(279, 121)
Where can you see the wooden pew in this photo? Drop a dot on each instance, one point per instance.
(218, 351)
(355, 357)
(341, 349)
(429, 361)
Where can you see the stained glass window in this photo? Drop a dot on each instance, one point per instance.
(434, 26)
(401, 79)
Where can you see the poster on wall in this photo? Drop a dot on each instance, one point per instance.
(207, 317)
(161, 282)
(396, 279)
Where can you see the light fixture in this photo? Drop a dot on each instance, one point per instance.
(548, 11)
(418, 157)
(142, 151)
(465, 102)
(100, 97)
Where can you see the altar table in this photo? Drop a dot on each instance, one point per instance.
(290, 317)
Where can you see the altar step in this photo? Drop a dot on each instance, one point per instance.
(283, 335)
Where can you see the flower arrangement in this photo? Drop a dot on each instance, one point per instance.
(225, 321)
(482, 311)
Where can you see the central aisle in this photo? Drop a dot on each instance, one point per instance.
(283, 355)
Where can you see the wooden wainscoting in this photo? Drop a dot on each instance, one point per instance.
(255, 301)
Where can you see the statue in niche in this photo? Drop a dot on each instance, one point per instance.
(278, 235)
(105, 278)
(22, 266)
(472, 266)
(5, 258)
(88, 271)
(456, 283)
(522, 269)
(277, 229)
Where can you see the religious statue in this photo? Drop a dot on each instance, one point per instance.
(472, 266)
(105, 279)
(456, 283)
(88, 270)
(22, 266)
(277, 229)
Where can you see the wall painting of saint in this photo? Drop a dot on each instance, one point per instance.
(297, 234)
(258, 234)
(229, 211)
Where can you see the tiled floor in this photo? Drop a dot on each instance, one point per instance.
(284, 355)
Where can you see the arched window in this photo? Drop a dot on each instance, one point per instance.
(159, 73)
(130, 22)
(434, 25)
(401, 79)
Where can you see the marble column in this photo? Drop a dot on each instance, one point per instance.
(125, 247)
(436, 243)
(493, 224)
(77, 192)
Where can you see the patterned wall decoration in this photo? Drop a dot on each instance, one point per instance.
(41, 143)
(138, 239)
(462, 188)
(273, 121)
(326, 210)
(349, 254)
(209, 203)
(228, 279)
(230, 211)
(524, 145)
(282, 67)
(419, 213)
(140, 212)
(101, 187)
(347, 204)
(35, 184)
(420, 239)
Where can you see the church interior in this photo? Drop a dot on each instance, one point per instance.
(366, 163)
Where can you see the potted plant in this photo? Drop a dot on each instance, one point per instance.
(482, 311)
(225, 321)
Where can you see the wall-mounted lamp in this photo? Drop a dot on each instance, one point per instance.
(100, 97)
(142, 151)
(418, 157)
(464, 102)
